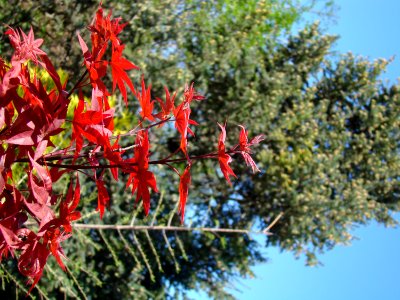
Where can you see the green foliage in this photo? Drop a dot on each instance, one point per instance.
(330, 160)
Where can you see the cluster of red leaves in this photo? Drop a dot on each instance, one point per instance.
(33, 219)
(29, 116)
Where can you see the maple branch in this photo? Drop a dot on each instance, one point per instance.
(56, 156)
(167, 228)
(77, 83)
(129, 164)
(133, 131)
(46, 161)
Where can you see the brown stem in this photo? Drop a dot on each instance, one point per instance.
(127, 165)
(80, 80)
(167, 228)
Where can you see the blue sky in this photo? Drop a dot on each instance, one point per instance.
(370, 267)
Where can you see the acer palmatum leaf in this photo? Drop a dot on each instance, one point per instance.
(119, 65)
(244, 147)
(184, 183)
(224, 158)
(140, 178)
(103, 198)
(168, 106)
(25, 46)
(145, 102)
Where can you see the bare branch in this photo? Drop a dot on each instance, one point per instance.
(167, 228)
(273, 222)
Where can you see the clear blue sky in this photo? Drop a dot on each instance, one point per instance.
(370, 267)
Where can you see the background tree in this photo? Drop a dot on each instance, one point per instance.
(330, 159)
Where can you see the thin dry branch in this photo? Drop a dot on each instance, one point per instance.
(273, 222)
(167, 228)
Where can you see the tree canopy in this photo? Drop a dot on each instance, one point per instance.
(330, 159)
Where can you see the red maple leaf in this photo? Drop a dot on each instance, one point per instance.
(168, 106)
(97, 68)
(103, 198)
(113, 154)
(33, 257)
(145, 101)
(43, 172)
(185, 180)
(119, 65)
(224, 158)
(182, 121)
(191, 94)
(91, 124)
(104, 29)
(140, 177)
(182, 116)
(244, 146)
(11, 218)
(26, 48)
(53, 238)
(68, 206)
(8, 240)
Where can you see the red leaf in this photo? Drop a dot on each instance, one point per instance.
(191, 94)
(140, 178)
(42, 171)
(25, 48)
(182, 113)
(145, 102)
(77, 196)
(33, 258)
(39, 211)
(103, 30)
(245, 149)
(103, 198)
(91, 125)
(3, 173)
(118, 67)
(182, 117)
(39, 192)
(54, 238)
(46, 63)
(8, 240)
(2, 182)
(224, 158)
(68, 206)
(184, 183)
(113, 154)
(22, 137)
(168, 106)
(97, 68)
(56, 173)
(84, 47)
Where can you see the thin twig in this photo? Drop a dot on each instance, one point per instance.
(76, 86)
(131, 164)
(273, 222)
(76, 283)
(167, 228)
(172, 213)
(157, 208)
